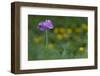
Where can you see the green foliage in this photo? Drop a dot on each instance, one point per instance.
(68, 39)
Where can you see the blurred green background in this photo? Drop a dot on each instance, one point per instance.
(67, 40)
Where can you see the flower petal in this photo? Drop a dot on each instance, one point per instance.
(47, 24)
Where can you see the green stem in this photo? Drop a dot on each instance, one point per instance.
(46, 37)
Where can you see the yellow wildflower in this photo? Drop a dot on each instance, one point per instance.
(81, 49)
(65, 35)
(59, 36)
(56, 30)
(84, 26)
(77, 30)
(62, 30)
(51, 45)
(37, 39)
(69, 30)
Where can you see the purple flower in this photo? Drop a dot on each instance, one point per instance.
(47, 24)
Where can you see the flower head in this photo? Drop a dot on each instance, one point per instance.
(69, 30)
(47, 24)
(37, 39)
(81, 49)
(51, 45)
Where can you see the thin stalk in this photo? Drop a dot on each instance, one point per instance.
(46, 37)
